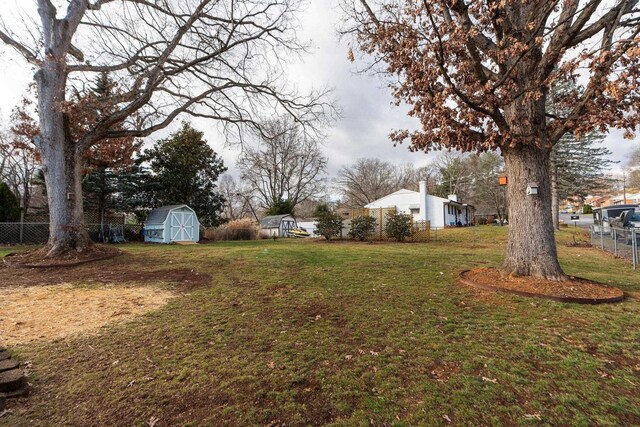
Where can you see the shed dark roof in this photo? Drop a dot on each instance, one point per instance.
(159, 215)
(272, 221)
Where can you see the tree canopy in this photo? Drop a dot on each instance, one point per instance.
(185, 170)
(468, 68)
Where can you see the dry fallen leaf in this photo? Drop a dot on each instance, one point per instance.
(6, 412)
(533, 416)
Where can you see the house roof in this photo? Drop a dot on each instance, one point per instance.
(411, 194)
(272, 221)
(453, 202)
(400, 192)
(159, 215)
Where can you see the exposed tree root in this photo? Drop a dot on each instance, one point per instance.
(60, 256)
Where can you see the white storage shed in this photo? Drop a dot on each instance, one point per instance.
(277, 225)
(175, 223)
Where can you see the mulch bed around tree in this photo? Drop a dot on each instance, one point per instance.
(574, 290)
(36, 258)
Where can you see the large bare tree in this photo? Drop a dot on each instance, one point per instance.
(238, 200)
(369, 179)
(218, 59)
(477, 76)
(486, 193)
(286, 165)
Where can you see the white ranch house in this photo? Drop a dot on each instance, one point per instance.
(439, 211)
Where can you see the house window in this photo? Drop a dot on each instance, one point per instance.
(415, 211)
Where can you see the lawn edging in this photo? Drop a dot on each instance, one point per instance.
(566, 299)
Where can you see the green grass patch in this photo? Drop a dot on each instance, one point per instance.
(314, 333)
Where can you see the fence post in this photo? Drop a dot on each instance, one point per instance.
(411, 226)
(380, 218)
(614, 236)
(21, 226)
(475, 236)
(601, 236)
(634, 248)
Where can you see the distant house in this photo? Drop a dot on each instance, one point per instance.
(634, 198)
(439, 211)
(277, 225)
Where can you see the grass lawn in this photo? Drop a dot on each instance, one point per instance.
(314, 333)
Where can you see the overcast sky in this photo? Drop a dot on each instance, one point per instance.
(367, 113)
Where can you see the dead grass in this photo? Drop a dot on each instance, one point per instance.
(56, 311)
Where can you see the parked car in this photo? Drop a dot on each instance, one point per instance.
(629, 221)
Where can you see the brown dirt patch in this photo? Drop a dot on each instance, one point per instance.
(574, 289)
(56, 311)
(128, 271)
(36, 258)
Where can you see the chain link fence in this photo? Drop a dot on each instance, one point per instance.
(420, 230)
(14, 233)
(622, 242)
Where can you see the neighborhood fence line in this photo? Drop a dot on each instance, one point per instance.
(14, 233)
(622, 242)
(420, 230)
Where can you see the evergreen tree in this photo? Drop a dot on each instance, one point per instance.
(281, 206)
(185, 170)
(106, 164)
(321, 209)
(9, 205)
(135, 191)
(329, 224)
(398, 226)
(577, 162)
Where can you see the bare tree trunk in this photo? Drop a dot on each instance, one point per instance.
(531, 248)
(62, 164)
(555, 202)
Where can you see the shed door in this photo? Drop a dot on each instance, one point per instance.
(287, 226)
(182, 226)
